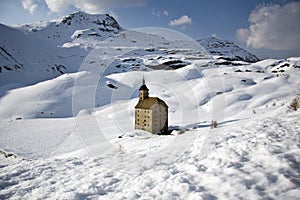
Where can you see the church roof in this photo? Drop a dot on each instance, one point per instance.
(149, 102)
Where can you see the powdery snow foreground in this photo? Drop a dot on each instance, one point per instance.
(246, 159)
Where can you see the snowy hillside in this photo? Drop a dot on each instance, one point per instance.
(44, 50)
(70, 134)
(26, 60)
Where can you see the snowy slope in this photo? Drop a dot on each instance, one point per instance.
(44, 50)
(18, 57)
(252, 159)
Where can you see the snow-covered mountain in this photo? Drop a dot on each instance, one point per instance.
(227, 50)
(73, 28)
(44, 50)
(67, 129)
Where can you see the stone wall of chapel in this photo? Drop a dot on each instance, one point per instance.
(159, 118)
(143, 119)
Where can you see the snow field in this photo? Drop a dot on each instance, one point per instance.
(208, 95)
(247, 159)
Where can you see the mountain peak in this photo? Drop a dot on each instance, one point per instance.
(80, 17)
(78, 25)
(227, 49)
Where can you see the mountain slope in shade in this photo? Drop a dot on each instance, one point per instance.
(44, 50)
(24, 58)
(227, 50)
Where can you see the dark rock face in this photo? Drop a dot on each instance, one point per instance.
(227, 50)
(105, 21)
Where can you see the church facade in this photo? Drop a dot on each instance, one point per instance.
(151, 113)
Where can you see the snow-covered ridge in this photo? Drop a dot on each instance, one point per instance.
(72, 26)
(227, 50)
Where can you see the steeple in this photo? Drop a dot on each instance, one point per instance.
(143, 91)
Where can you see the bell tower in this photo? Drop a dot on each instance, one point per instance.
(143, 91)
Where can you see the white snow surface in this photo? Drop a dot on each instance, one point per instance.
(249, 159)
(71, 136)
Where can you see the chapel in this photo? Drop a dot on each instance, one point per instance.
(151, 113)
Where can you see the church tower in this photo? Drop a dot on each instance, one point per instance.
(143, 91)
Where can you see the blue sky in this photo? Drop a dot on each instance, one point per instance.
(268, 28)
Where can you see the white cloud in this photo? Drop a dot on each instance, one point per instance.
(273, 27)
(155, 12)
(29, 5)
(92, 6)
(181, 21)
(166, 13)
(159, 13)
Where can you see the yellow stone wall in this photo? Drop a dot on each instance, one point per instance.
(152, 120)
(143, 119)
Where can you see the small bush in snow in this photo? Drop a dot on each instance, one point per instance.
(213, 124)
(294, 105)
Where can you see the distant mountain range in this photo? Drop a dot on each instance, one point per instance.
(44, 50)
